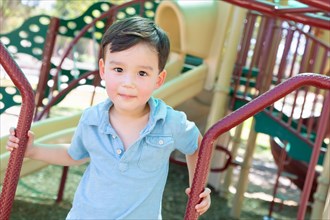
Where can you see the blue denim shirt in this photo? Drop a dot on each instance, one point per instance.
(119, 184)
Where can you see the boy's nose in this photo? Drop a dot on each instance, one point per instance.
(129, 80)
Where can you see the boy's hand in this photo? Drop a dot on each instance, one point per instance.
(205, 204)
(13, 141)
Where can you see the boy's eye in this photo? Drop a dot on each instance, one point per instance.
(142, 73)
(118, 70)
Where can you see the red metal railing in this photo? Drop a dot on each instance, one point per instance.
(288, 15)
(23, 126)
(240, 115)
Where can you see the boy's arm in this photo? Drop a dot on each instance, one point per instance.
(192, 161)
(56, 154)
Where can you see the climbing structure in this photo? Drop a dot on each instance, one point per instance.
(204, 36)
(273, 50)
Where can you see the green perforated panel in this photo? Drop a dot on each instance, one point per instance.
(9, 96)
(29, 38)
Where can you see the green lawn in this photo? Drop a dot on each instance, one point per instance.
(35, 198)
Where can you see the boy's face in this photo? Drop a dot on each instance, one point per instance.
(131, 76)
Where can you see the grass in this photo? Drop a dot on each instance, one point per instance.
(36, 194)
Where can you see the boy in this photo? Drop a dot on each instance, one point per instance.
(129, 137)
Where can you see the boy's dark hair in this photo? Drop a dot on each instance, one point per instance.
(128, 32)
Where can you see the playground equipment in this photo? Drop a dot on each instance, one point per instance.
(272, 43)
(177, 89)
(283, 42)
(245, 112)
(200, 61)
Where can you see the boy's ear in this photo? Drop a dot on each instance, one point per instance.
(101, 68)
(161, 79)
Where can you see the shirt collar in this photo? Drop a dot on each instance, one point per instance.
(100, 118)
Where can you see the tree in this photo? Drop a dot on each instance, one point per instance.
(13, 13)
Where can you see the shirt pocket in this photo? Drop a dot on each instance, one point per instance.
(155, 152)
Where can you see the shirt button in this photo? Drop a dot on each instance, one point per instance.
(118, 151)
(114, 136)
(160, 142)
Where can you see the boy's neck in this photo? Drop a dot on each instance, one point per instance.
(129, 115)
(129, 125)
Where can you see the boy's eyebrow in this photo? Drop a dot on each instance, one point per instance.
(147, 67)
(115, 63)
(141, 66)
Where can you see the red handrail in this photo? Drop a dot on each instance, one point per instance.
(23, 126)
(272, 11)
(237, 117)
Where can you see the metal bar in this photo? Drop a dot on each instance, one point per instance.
(234, 119)
(63, 93)
(297, 10)
(46, 60)
(253, 5)
(324, 5)
(260, 39)
(305, 90)
(304, 60)
(23, 126)
(61, 187)
(314, 158)
(280, 168)
(264, 62)
(284, 57)
(311, 120)
(246, 42)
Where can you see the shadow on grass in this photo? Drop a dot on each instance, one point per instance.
(23, 210)
(175, 200)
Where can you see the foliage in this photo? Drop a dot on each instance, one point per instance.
(14, 12)
(72, 8)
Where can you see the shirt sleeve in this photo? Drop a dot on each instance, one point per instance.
(185, 134)
(77, 149)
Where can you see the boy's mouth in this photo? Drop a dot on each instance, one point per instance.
(126, 96)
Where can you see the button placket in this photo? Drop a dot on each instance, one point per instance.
(117, 145)
(119, 151)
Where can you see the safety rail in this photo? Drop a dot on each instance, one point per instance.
(23, 126)
(245, 112)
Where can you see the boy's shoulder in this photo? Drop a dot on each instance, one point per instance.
(177, 123)
(172, 116)
(166, 111)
